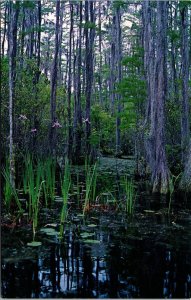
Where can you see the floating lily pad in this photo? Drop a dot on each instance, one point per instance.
(85, 235)
(58, 200)
(52, 233)
(80, 215)
(34, 244)
(48, 230)
(149, 211)
(92, 225)
(88, 241)
(75, 220)
(54, 225)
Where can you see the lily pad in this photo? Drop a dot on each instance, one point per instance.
(92, 225)
(48, 230)
(52, 233)
(80, 215)
(54, 225)
(149, 211)
(85, 235)
(89, 241)
(58, 199)
(34, 244)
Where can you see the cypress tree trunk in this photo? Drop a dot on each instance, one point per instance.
(89, 34)
(78, 112)
(119, 77)
(4, 31)
(160, 176)
(112, 60)
(70, 83)
(185, 182)
(155, 69)
(12, 45)
(185, 130)
(54, 73)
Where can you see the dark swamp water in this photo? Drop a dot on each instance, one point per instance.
(104, 256)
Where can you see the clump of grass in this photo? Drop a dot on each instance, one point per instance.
(129, 195)
(90, 184)
(65, 188)
(33, 182)
(10, 193)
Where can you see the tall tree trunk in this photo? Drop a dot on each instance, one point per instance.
(78, 112)
(119, 77)
(54, 73)
(89, 33)
(12, 41)
(161, 175)
(185, 182)
(100, 57)
(155, 69)
(185, 130)
(149, 60)
(70, 83)
(112, 59)
(4, 30)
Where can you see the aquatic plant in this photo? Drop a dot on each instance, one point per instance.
(65, 188)
(32, 185)
(129, 195)
(49, 176)
(10, 192)
(34, 189)
(90, 184)
(172, 184)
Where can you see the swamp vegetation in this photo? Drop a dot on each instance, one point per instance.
(95, 149)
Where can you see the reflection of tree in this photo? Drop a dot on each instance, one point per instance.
(113, 267)
(88, 279)
(36, 281)
(15, 276)
(55, 268)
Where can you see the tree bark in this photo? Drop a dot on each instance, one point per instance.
(54, 73)
(119, 77)
(89, 33)
(155, 69)
(12, 41)
(78, 112)
(185, 130)
(70, 83)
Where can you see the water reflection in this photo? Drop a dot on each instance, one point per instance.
(122, 268)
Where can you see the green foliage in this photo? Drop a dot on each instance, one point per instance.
(174, 35)
(9, 191)
(89, 25)
(103, 124)
(119, 3)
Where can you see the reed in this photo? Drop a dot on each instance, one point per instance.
(32, 185)
(49, 176)
(172, 184)
(65, 188)
(129, 195)
(10, 192)
(90, 184)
